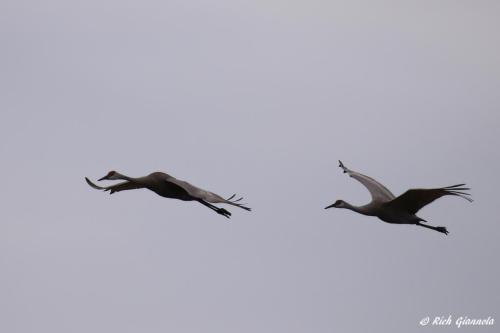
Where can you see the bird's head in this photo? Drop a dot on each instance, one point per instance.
(337, 204)
(112, 175)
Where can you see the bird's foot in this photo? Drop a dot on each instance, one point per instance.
(443, 230)
(223, 212)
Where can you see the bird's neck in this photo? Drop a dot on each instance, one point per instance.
(140, 182)
(359, 209)
(123, 177)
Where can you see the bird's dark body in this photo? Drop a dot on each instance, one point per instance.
(171, 191)
(159, 183)
(398, 217)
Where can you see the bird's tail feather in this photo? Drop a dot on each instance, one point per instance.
(236, 202)
(458, 190)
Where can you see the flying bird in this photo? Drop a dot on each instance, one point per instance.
(402, 209)
(169, 187)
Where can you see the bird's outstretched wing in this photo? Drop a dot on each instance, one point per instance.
(207, 196)
(413, 200)
(115, 188)
(378, 191)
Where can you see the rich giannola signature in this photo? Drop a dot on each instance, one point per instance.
(459, 321)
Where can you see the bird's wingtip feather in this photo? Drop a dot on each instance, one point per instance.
(93, 185)
(342, 166)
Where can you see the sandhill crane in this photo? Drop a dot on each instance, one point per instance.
(169, 187)
(400, 210)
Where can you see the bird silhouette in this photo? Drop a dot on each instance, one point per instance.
(402, 209)
(169, 187)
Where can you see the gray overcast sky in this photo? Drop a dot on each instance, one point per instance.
(260, 98)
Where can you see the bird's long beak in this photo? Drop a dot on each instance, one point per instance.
(105, 177)
(332, 205)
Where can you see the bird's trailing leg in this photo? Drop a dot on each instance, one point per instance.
(218, 210)
(223, 212)
(440, 229)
